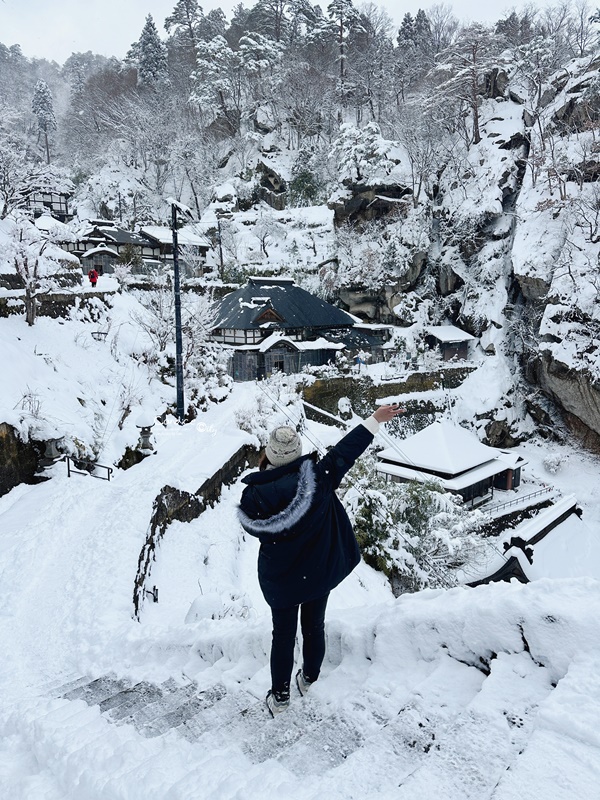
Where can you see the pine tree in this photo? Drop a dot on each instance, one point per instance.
(212, 24)
(42, 107)
(406, 34)
(422, 33)
(344, 16)
(150, 56)
(414, 54)
(466, 62)
(185, 20)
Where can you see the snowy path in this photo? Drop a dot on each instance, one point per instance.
(78, 556)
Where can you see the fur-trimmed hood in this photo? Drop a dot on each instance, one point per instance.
(266, 517)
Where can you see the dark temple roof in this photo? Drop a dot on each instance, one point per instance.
(277, 303)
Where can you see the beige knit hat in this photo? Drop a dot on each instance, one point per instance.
(284, 446)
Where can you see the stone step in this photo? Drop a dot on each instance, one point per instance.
(197, 703)
(121, 704)
(62, 685)
(174, 695)
(471, 754)
(94, 692)
(227, 720)
(324, 747)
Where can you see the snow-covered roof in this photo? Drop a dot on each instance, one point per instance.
(185, 235)
(465, 479)
(294, 307)
(449, 333)
(51, 225)
(108, 230)
(511, 460)
(102, 248)
(277, 338)
(442, 447)
(568, 548)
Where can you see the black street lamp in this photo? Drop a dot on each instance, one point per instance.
(175, 207)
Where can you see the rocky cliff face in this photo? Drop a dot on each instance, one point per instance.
(576, 392)
(19, 461)
(514, 241)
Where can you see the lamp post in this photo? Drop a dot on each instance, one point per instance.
(221, 269)
(178, 337)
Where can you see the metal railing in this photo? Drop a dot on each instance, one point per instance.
(520, 499)
(82, 465)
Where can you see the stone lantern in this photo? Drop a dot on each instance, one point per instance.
(145, 422)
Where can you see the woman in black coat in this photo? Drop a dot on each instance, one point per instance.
(307, 545)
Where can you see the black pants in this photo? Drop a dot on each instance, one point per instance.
(285, 622)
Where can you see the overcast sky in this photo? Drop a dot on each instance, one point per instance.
(53, 29)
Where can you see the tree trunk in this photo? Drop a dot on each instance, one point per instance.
(475, 107)
(47, 146)
(30, 306)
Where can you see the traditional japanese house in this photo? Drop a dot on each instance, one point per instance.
(455, 458)
(274, 325)
(103, 243)
(193, 247)
(53, 204)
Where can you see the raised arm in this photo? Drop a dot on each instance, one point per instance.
(333, 466)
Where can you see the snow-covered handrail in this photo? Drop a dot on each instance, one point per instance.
(519, 500)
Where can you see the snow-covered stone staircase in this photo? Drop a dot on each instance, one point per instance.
(419, 703)
(215, 717)
(455, 726)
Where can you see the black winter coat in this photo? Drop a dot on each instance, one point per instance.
(307, 545)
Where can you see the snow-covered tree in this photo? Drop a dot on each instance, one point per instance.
(370, 63)
(536, 61)
(421, 139)
(212, 24)
(417, 534)
(463, 67)
(443, 26)
(204, 362)
(21, 177)
(344, 17)
(43, 108)
(184, 21)
(360, 152)
(232, 83)
(415, 52)
(269, 17)
(307, 100)
(583, 33)
(79, 68)
(516, 29)
(36, 260)
(149, 54)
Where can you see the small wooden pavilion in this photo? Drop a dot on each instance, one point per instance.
(451, 341)
(455, 458)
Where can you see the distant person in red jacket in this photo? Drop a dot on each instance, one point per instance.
(93, 276)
